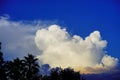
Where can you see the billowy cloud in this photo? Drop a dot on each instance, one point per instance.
(59, 48)
(55, 46)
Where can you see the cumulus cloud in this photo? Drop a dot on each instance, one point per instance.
(59, 48)
(55, 46)
(17, 38)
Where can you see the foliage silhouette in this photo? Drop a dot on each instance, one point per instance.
(15, 69)
(46, 77)
(31, 67)
(55, 74)
(63, 74)
(2, 65)
(70, 74)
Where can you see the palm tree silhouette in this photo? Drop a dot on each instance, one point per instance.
(31, 68)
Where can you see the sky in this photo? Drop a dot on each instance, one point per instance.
(83, 26)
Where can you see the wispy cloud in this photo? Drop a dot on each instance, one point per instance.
(17, 38)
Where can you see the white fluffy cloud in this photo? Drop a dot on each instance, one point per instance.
(55, 46)
(61, 49)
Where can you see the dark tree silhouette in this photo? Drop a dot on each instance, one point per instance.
(2, 65)
(15, 69)
(63, 74)
(69, 74)
(31, 68)
(46, 77)
(24, 69)
(55, 74)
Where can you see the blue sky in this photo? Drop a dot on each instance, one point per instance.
(80, 17)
